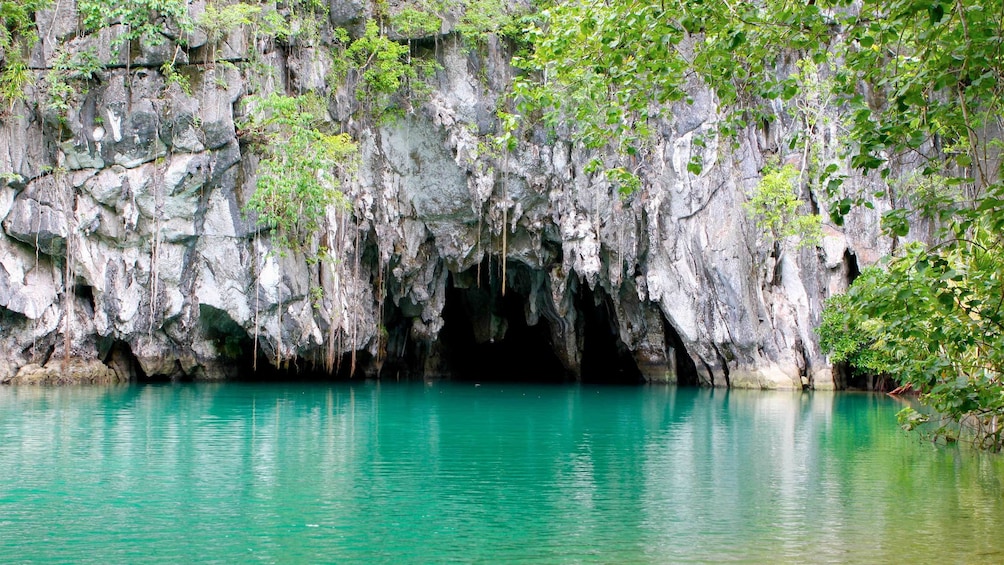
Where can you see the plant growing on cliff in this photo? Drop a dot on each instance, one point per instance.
(301, 168)
(777, 210)
(143, 20)
(219, 22)
(298, 176)
(380, 70)
(17, 35)
(483, 18)
(414, 23)
(69, 77)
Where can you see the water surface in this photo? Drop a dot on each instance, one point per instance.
(494, 473)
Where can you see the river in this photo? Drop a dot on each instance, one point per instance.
(459, 472)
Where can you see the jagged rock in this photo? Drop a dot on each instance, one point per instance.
(38, 216)
(345, 12)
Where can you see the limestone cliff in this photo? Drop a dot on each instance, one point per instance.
(124, 237)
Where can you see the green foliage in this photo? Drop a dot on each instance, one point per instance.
(626, 182)
(17, 34)
(172, 76)
(848, 336)
(304, 20)
(18, 19)
(11, 178)
(144, 20)
(934, 320)
(13, 78)
(382, 69)
(301, 168)
(381, 64)
(778, 211)
(68, 78)
(933, 70)
(604, 69)
(414, 23)
(482, 18)
(219, 22)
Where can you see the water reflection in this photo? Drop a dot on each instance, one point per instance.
(422, 473)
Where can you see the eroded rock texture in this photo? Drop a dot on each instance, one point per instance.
(124, 239)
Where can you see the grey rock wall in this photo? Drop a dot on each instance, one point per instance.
(124, 238)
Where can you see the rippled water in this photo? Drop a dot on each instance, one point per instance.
(495, 473)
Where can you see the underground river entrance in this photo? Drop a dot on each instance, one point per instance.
(492, 331)
(515, 335)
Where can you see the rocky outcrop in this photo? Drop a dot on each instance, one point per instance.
(77, 371)
(125, 241)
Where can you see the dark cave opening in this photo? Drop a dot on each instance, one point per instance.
(486, 336)
(853, 270)
(686, 369)
(86, 293)
(119, 356)
(605, 358)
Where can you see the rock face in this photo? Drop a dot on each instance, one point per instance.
(125, 242)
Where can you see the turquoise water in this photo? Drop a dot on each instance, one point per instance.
(419, 473)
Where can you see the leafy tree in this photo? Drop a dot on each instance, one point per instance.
(933, 91)
(934, 321)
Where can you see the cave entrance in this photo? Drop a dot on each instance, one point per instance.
(683, 364)
(486, 335)
(119, 356)
(605, 358)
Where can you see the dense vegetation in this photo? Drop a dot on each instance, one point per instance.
(908, 92)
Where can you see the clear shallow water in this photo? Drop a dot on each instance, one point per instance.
(497, 473)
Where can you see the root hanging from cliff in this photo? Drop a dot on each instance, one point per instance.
(68, 275)
(257, 303)
(353, 322)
